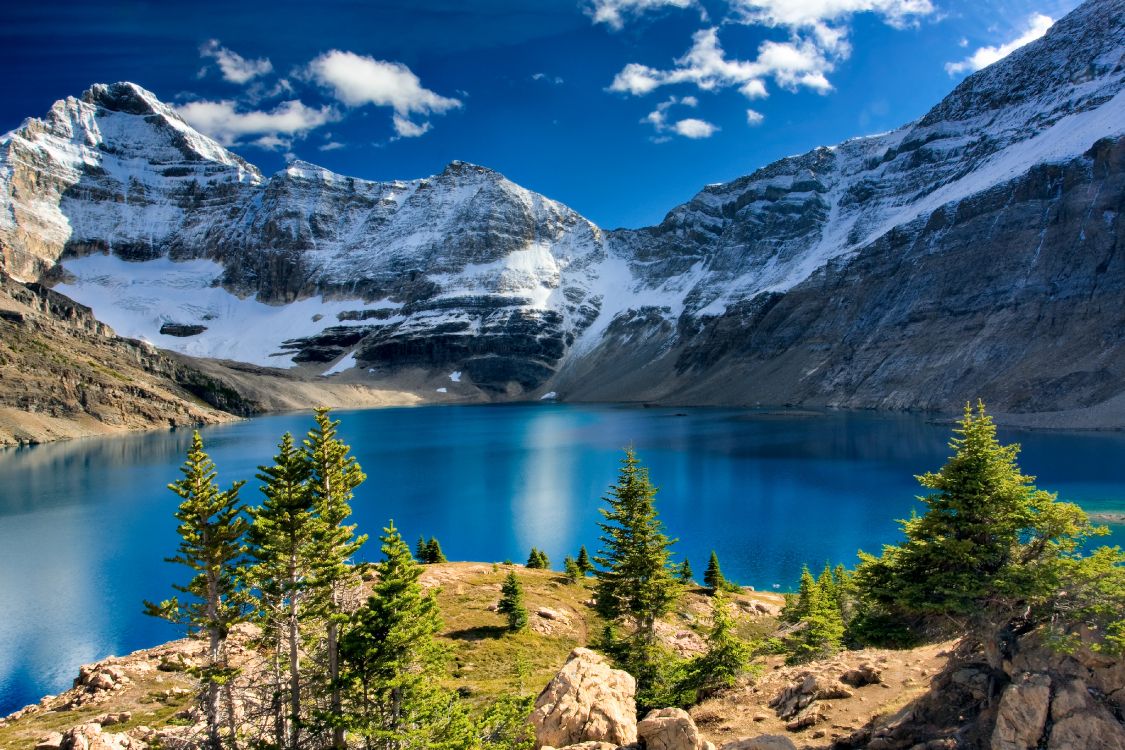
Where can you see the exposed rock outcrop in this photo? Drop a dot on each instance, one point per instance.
(91, 737)
(670, 729)
(587, 701)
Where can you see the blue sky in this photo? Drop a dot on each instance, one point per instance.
(619, 108)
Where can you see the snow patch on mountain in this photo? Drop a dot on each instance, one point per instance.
(137, 299)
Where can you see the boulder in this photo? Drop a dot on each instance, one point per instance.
(1080, 721)
(91, 737)
(108, 720)
(670, 729)
(864, 674)
(51, 742)
(761, 742)
(586, 701)
(585, 746)
(1022, 713)
(800, 694)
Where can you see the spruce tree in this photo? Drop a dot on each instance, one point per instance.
(422, 550)
(584, 563)
(823, 627)
(713, 576)
(279, 542)
(511, 603)
(211, 528)
(571, 570)
(685, 574)
(797, 608)
(433, 552)
(635, 578)
(392, 662)
(538, 560)
(727, 655)
(333, 476)
(986, 552)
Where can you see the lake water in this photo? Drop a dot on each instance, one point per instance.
(84, 525)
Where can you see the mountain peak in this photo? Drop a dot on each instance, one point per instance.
(125, 96)
(458, 167)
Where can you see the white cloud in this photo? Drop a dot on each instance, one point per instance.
(234, 67)
(331, 146)
(754, 117)
(1037, 26)
(555, 80)
(690, 127)
(356, 80)
(406, 128)
(811, 13)
(222, 121)
(694, 128)
(612, 12)
(792, 64)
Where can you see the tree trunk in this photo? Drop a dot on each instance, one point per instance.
(334, 676)
(214, 647)
(294, 657)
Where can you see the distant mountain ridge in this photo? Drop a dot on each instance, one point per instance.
(973, 252)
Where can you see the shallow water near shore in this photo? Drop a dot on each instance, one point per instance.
(85, 525)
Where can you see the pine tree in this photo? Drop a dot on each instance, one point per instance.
(635, 578)
(211, 532)
(584, 563)
(333, 476)
(433, 552)
(422, 550)
(571, 570)
(279, 541)
(987, 550)
(713, 577)
(511, 603)
(823, 630)
(727, 655)
(685, 574)
(392, 662)
(798, 608)
(538, 560)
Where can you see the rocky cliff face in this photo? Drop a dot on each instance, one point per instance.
(65, 374)
(970, 253)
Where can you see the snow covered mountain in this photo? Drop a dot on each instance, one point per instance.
(970, 253)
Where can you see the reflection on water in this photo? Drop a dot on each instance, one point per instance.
(84, 525)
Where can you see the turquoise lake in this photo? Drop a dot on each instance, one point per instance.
(85, 525)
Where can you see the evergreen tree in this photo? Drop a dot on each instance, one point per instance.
(823, 627)
(422, 550)
(987, 551)
(796, 609)
(279, 540)
(538, 560)
(511, 603)
(685, 574)
(635, 579)
(584, 563)
(571, 570)
(713, 576)
(727, 655)
(211, 529)
(333, 476)
(433, 552)
(392, 662)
